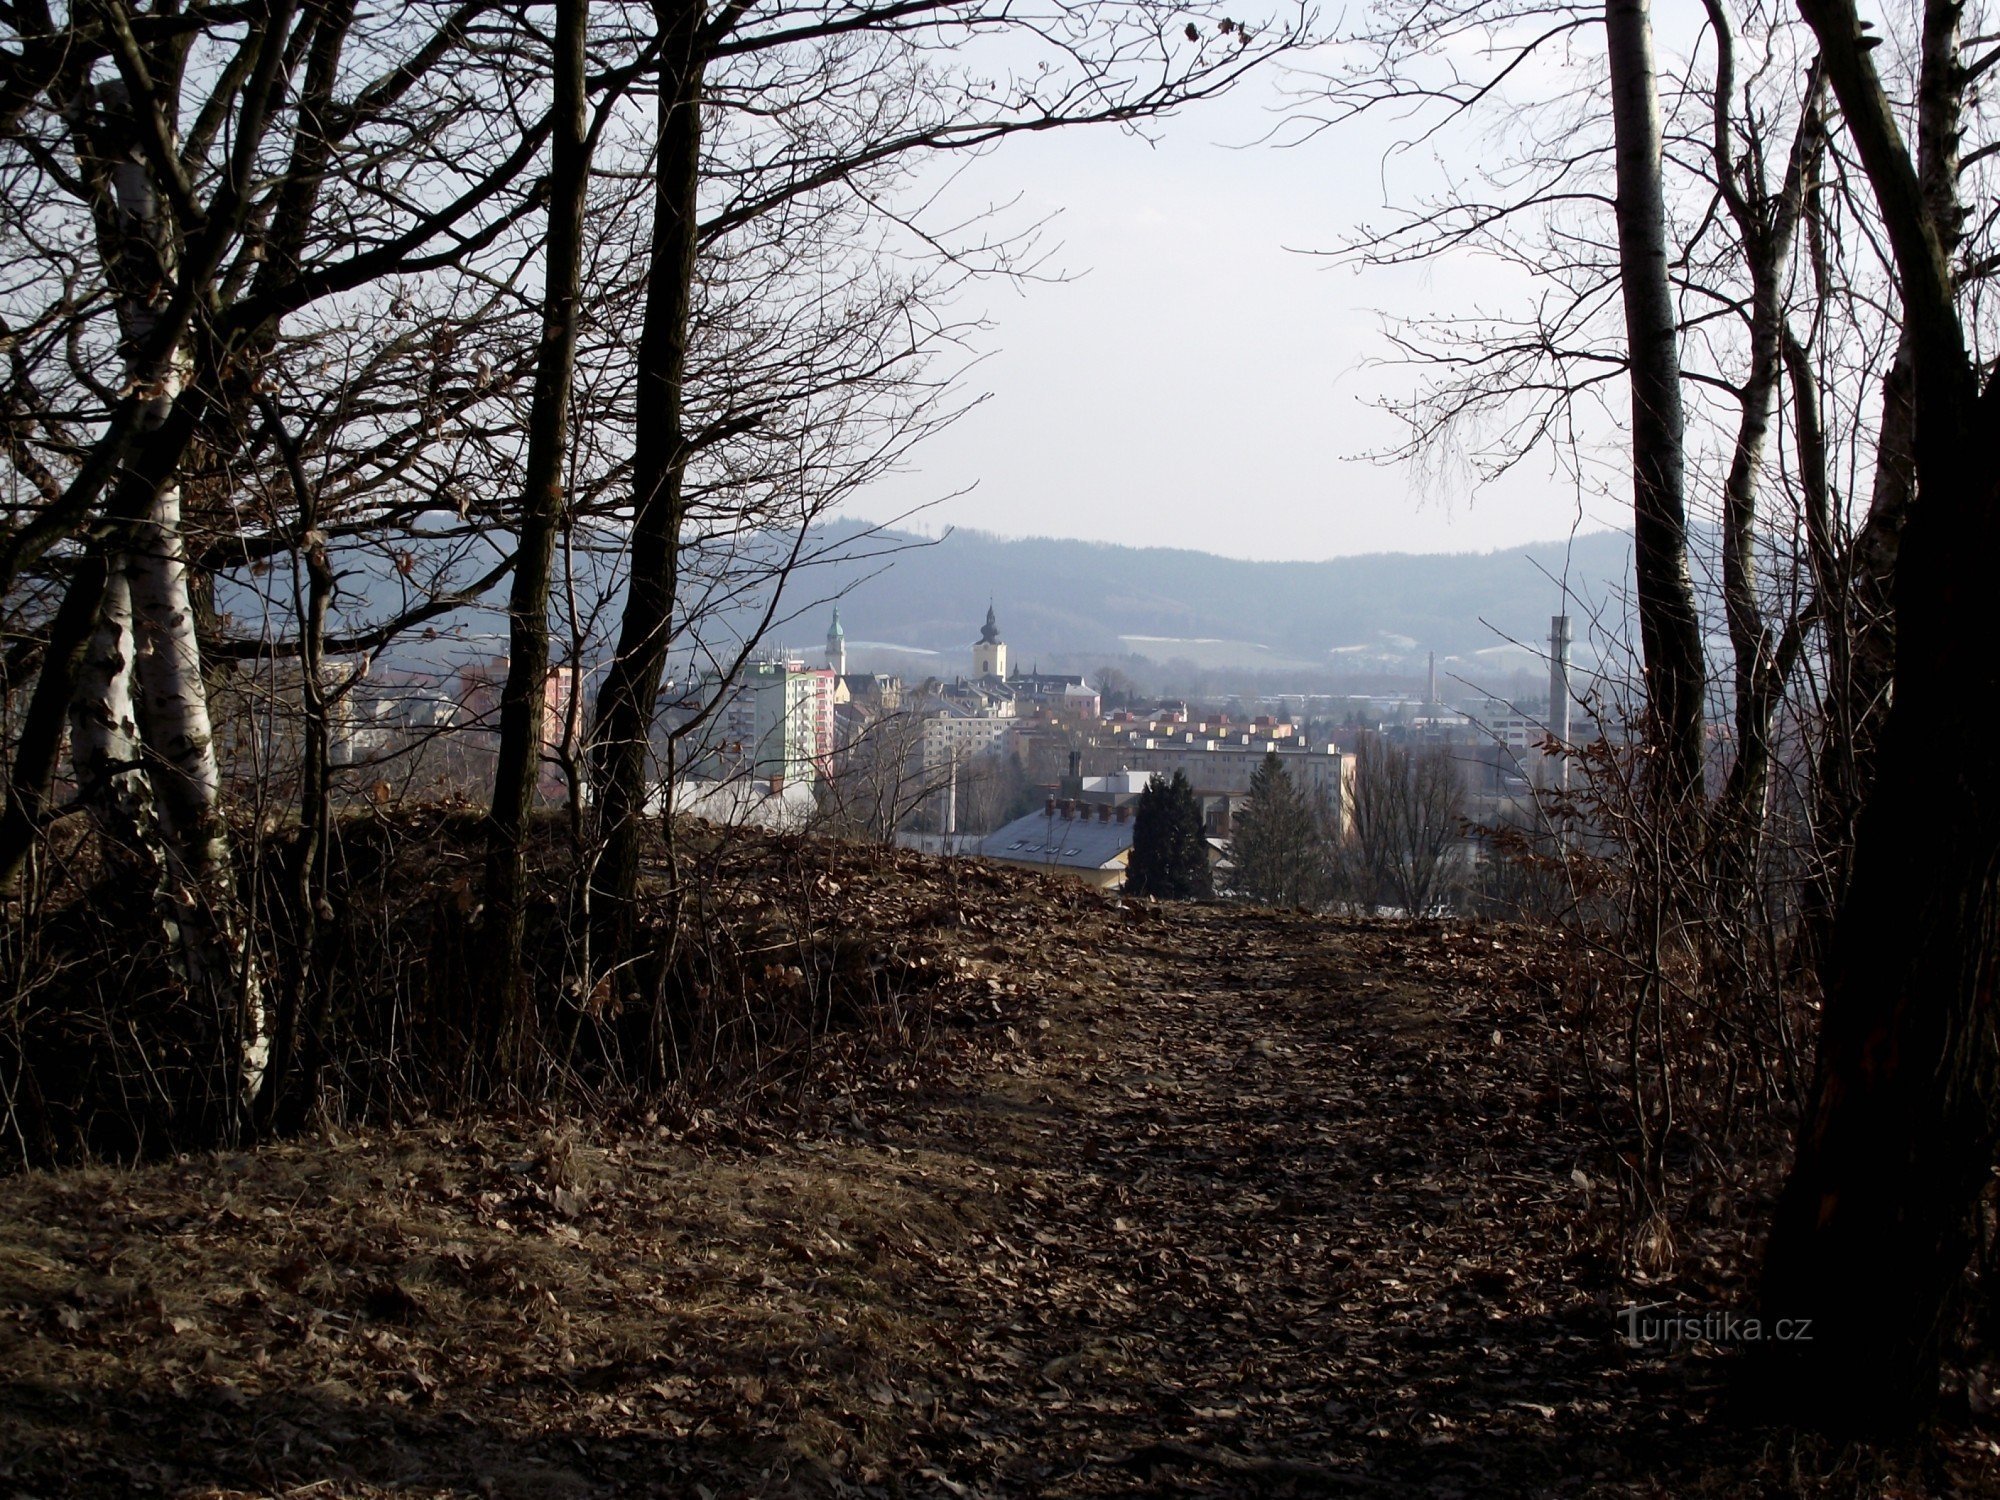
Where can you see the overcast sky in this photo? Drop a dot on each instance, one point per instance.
(1200, 383)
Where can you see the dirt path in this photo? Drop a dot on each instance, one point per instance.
(1233, 1201)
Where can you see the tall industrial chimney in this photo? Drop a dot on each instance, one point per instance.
(1431, 694)
(1559, 639)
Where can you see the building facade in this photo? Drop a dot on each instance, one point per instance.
(775, 722)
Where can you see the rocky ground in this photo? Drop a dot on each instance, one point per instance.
(1189, 1200)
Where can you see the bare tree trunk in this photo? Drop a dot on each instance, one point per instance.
(104, 726)
(299, 1023)
(1862, 613)
(1669, 627)
(200, 896)
(1875, 1227)
(1861, 631)
(39, 748)
(68, 684)
(156, 679)
(628, 701)
(1766, 225)
(524, 696)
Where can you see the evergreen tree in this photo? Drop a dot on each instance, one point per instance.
(1169, 849)
(1276, 844)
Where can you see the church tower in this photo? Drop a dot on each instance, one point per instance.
(836, 645)
(989, 652)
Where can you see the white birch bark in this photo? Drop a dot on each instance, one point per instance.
(172, 703)
(149, 674)
(104, 728)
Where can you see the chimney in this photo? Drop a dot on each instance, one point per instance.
(1124, 812)
(1559, 640)
(1431, 694)
(1069, 810)
(1050, 808)
(777, 782)
(1076, 763)
(1104, 812)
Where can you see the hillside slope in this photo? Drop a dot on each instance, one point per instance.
(1221, 1197)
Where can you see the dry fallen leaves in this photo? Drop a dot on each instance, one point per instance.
(1227, 1198)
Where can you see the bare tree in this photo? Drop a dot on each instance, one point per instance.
(1407, 815)
(1874, 1230)
(523, 700)
(1114, 62)
(1669, 625)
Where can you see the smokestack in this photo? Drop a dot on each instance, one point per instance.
(1559, 640)
(1431, 693)
(1124, 813)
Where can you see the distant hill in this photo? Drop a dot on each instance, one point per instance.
(915, 606)
(1066, 602)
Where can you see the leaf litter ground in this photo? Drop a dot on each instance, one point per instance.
(1200, 1200)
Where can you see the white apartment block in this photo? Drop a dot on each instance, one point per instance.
(949, 736)
(775, 722)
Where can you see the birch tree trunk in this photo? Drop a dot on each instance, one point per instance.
(104, 725)
(199, 894)
(1669, 627)
(144, 666)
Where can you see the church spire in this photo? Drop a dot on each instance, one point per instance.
(989, 652)
(836, 645)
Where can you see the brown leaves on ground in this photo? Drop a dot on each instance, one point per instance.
(1180, 1199)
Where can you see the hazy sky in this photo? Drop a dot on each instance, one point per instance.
(1200, 383)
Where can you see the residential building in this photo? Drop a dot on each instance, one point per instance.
(481, 685)
(954, 735)
(774, 722)
(1089, 842)
(1220, 770)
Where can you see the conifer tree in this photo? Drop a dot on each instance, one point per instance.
(1277, 841)
(1169, 849)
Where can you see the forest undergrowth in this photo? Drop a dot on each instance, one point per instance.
(1052, 1194)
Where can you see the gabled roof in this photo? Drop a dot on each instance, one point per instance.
(1039, 839)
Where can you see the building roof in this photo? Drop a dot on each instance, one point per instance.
(1118, 783)
(1042, 839)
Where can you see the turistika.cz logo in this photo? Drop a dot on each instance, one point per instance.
(1658, 1323)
